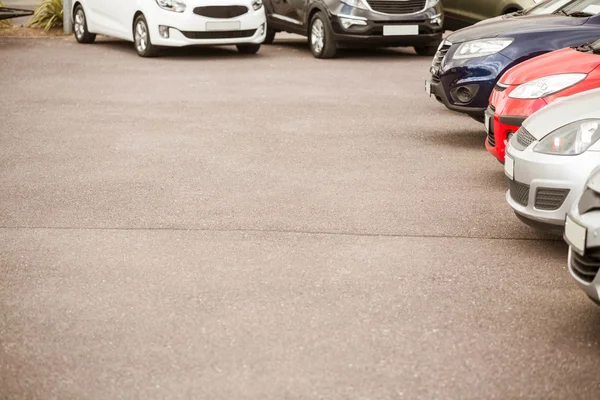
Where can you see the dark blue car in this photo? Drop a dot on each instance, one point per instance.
(470, 61)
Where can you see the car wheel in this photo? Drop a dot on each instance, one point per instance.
(248, 48)
(320, 37)
(80, 29)
(141, 38)
(270, 37)
(427, 50)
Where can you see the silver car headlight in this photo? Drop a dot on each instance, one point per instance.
(431, 4)
(172, 5)
(571, 139)
(546, 86)
(481, 48)
(356, 3)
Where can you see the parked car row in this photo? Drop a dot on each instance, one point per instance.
(533, 80)
(328, 25)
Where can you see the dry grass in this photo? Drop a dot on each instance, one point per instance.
(18, 31)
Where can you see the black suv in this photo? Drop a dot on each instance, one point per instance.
(332, 23)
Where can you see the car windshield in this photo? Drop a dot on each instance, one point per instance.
(582, 8)
(548, 7)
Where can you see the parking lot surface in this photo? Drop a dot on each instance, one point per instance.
(215, 225)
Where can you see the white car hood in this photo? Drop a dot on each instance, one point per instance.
(562, 112)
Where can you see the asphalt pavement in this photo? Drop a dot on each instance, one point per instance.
(212, 225)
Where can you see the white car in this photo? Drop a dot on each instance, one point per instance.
(151, 24)
(550, 157)
(582, 231)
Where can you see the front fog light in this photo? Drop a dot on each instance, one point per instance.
(348, 22)
(262, 29)
(164, 31)
(464, 94)
(436, 20)
(257, 5)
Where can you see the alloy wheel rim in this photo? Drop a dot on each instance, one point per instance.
(79, 23)
(141, 36)
(317, 36)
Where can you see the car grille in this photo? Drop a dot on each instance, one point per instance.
(550, 199)
(519, 192)
(397, 7)
(221, 11)
(491, 136)
(438, 59)
(584, 267)
(500, 88)
(219, 34)
(524, 137)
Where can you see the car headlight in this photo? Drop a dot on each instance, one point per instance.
(545, 86)
(172, 5)
(431, 4)
(481, 48)
(356, 3)
(571, 139)
(257, 4)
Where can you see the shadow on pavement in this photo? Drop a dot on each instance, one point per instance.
(463, 139)
(204, 52)
(352, 52)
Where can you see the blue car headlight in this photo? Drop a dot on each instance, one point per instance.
(481, 48)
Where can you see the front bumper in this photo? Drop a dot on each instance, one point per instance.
(429, 24)
(545, 175)
(584, 268)
(187, 28)
(506, 115)
(479, 75)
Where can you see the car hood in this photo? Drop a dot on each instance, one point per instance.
(563, 61)
(563, 111)
(516, 26)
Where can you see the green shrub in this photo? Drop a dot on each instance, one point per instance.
(48, 15)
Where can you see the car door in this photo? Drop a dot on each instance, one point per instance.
(289, 14)
(105, 16)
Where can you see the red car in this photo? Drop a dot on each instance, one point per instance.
(531, 85)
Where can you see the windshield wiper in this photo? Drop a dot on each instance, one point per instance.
(580, 14)
(561, 12)
(518, 13)
(585, 48)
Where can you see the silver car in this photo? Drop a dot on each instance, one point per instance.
(582, 233)
(550, 157)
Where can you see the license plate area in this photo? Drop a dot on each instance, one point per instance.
(400, 30)
(217, 26)
(575, 235)
(509, 167)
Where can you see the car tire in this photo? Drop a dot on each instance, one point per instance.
(270, 37)
(80, 29)
(320, 37)
(141, 38)
(427, 50)
(248, 48)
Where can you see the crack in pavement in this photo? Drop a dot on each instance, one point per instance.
(282, 231)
